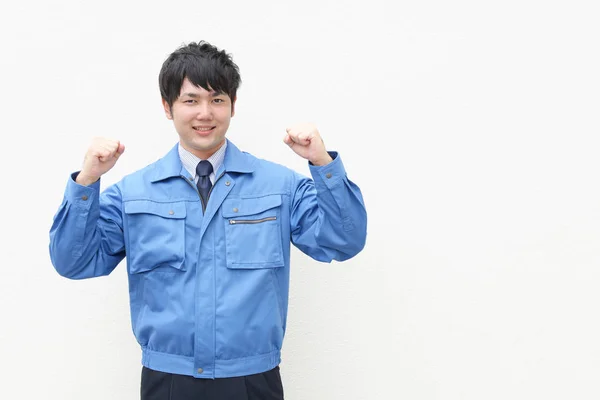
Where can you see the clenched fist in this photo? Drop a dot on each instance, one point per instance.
(101, 156)
(305, 140)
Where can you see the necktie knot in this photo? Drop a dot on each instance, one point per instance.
(204, 168)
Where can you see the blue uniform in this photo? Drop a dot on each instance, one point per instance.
(209, 290)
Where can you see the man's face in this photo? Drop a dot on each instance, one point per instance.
(201, 118)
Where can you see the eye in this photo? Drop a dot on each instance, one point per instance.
(219, 101)
(190, 101)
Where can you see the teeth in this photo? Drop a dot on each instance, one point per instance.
(203, 129)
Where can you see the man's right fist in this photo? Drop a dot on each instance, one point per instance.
(101, 156)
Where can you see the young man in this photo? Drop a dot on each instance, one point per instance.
(206, 231)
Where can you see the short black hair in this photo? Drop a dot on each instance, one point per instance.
(204, 65)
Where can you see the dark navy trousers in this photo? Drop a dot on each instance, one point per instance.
(158, 385)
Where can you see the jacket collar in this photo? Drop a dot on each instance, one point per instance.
(170, 165)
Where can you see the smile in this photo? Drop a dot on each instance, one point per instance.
(204, 129)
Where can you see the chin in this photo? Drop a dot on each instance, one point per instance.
(206, 145)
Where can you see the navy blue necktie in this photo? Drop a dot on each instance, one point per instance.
(204, 169)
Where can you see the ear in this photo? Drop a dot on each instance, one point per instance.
(233, 107)
(167, 108)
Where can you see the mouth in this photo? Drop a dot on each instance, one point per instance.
(204, 130)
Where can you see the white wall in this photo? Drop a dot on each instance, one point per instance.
(471, 126)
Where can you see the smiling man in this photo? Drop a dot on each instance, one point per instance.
(206, 231)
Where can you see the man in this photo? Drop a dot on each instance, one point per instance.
(206, 231)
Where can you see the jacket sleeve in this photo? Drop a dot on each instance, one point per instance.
(86, 237)
(328, 216)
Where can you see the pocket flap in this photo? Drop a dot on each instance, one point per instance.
(160, 268)
(165, 210)
(242, 207)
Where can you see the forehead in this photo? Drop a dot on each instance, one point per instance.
(188, 88)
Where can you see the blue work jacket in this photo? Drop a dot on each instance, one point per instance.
(208, 290)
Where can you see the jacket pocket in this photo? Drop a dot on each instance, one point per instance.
(156, 235)
(253, 232)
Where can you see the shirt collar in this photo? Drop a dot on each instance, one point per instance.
(190, 161)
(170, 165)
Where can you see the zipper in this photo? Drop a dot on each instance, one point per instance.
(250, 221)
(196, 189)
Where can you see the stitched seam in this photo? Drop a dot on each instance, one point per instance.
(164, 354)
(153, 200)
(268, 264)
(249, 358)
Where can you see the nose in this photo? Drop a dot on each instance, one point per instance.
(203, 111)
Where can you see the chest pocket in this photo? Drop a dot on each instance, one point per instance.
(156, 235)
(253, 232)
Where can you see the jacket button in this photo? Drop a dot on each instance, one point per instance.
(200, 370)
(84, 198)
(328, 175)
(227, 183)
(171, 212)
(235, 209)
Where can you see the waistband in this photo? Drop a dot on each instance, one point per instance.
(182, 365)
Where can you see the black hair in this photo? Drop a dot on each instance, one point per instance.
(204, 65)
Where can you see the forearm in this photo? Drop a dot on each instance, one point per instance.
(329, 217)
(84, 244)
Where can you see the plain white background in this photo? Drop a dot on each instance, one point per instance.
(471, 127)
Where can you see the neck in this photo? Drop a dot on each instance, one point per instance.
(203, 154)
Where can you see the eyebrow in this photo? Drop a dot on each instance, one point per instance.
(195, 95)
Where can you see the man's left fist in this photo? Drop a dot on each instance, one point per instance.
(305, 140)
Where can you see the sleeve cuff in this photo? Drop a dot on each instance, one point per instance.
(329, 175)
(79, 195)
